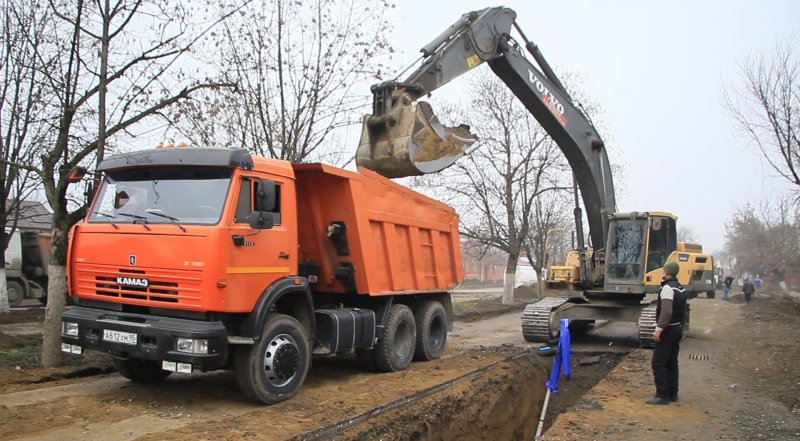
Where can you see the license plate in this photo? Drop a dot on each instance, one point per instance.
(128, 338)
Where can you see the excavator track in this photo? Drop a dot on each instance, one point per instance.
(647, 325)
(537, 318)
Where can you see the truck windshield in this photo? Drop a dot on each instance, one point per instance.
(188, 195)
(627, 250)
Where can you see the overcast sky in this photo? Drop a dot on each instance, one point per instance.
(658, 69)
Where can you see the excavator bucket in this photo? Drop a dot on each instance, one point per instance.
(410, 141)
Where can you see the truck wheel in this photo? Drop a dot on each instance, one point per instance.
(16, 292)
(711, 294)
(140, 371)
(431, 321)
(273, 369)
(395, 347)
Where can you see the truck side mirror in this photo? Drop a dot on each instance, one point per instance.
(265, 195)
(261, 220)
(76, 174)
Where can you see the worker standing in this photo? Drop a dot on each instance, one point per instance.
(670, 316)
(748, 289)
(726, 287)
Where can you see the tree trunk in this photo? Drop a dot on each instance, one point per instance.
(5, 308)
(539, 281)
(510, 278)
(56, 292)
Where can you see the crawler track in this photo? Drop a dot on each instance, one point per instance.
(647, 325)
(537, 317)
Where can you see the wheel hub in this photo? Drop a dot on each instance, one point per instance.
(281, 360)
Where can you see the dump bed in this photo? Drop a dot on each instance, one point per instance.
(372, 236)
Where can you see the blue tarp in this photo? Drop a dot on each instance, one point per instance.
(561, 362)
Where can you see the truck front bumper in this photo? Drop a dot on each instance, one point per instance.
(155, 337)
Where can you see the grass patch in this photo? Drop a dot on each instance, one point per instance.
(25, 356)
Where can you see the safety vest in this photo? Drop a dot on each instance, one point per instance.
(678, 301)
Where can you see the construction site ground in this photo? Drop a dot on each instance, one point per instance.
(740, 379)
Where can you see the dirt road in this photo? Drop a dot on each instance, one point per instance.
(740, 380)
(482, 357)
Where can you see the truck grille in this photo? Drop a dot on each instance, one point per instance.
(163, 286)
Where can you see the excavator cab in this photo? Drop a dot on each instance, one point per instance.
(404, 138)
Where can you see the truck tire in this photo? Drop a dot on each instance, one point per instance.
(431, 320)
(397, 341)
(16, 292)
(140, 371)
(274, 368)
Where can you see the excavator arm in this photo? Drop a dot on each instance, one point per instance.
(398, 140)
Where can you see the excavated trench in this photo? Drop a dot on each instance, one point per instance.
(500, 401)
(503, 399)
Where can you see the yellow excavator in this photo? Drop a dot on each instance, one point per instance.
(402, 137)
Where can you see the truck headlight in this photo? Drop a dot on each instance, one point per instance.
(69, 329)
(192, 346)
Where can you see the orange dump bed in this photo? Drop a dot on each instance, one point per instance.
(388, 238)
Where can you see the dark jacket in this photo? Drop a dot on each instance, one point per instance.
(728, 281)
(671, 310)
(748, 287)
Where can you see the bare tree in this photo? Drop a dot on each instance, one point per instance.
(765, 239)
(687, 234)
(133, 79)
(294, 64)
(767, 107)
(22, 101)
(550, 215)
(495, 187)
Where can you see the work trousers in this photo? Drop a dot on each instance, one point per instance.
(665, 361)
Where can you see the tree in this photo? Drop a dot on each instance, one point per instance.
(22, 102)
(765, 239)
(687, 234)
(498, 184)
(294, 65)
(133, 79)
(549, 222)
(767, 107)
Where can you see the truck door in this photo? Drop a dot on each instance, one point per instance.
(259, 257)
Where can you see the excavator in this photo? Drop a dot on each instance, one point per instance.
(402, 137)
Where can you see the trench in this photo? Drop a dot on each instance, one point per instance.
(500, 401)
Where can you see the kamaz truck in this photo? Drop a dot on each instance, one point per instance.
(197, 259)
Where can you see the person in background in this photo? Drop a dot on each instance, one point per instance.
(726, 287)
(748, 289)
(757, 282)
(670, 315)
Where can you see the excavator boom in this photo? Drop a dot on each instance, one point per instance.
(403, 138)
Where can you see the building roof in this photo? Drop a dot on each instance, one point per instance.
(30, 216)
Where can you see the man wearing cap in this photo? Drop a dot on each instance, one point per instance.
(670, 316)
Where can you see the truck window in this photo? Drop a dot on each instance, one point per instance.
(189, 195)
(244, 204)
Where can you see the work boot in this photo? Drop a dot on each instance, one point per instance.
(658, 400)
(673, 398)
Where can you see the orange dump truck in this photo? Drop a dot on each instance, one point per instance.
(200, 259)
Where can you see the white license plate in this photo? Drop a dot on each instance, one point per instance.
(128, 338)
